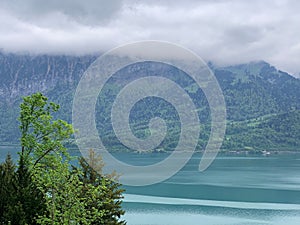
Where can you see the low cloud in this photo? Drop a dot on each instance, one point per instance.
(225, 32)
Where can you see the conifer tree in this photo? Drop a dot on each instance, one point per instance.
(110, 195)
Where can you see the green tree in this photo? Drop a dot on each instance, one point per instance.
(62, 190)
(7, 179)
(42, 137)
(44, 163)
(41, 141)
(44, 154)
(21, 201)
(110, 193)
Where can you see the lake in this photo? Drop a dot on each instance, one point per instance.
(234, 190)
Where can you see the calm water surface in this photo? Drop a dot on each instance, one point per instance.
(233, 191)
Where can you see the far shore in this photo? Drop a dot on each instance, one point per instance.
(225, 152)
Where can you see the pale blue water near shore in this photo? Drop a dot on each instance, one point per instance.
(235, 190)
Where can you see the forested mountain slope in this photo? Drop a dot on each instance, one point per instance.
(262, 102)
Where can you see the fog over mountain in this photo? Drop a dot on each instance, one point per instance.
(225, 32)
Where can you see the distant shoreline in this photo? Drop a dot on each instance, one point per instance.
(228, 152)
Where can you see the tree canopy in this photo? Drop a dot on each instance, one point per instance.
(43, 188)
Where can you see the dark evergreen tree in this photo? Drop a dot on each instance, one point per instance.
(21, 201)
(7, 186)
(109, 199)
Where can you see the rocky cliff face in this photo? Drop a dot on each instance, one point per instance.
(24, 74)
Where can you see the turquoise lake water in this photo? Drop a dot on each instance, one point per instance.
(234, 190)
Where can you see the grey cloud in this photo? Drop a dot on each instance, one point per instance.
(242, 35)
(89, 12)
(223, 31)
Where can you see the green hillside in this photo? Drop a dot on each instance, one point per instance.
(262, 102)
(271, 132)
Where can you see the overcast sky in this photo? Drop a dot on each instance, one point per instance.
(222, 31)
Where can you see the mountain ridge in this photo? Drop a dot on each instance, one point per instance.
(251, 90)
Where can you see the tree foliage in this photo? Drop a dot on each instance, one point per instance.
(110, 193)
(42, 188)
